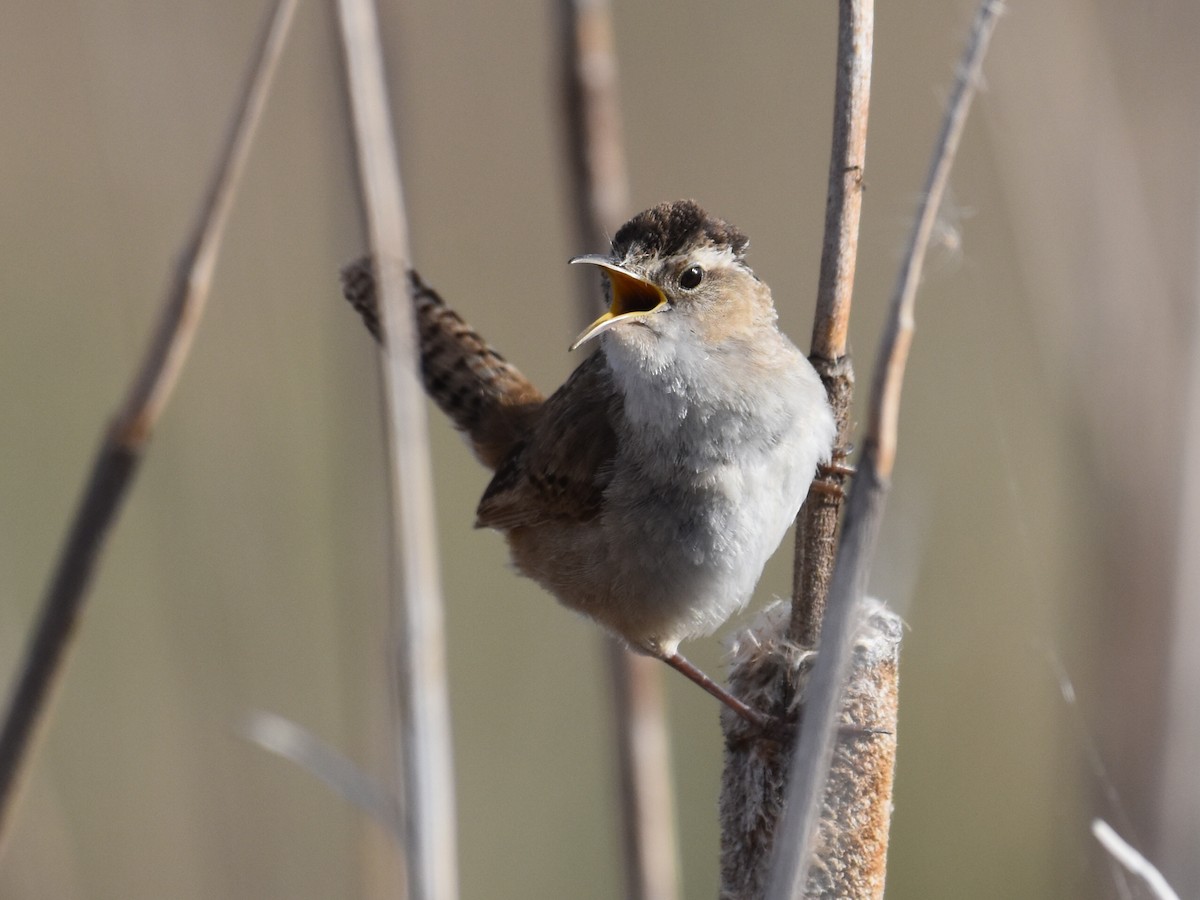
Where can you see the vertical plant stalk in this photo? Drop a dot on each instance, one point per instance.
(423, 744)
(793, 853)
(775, 673)
(1178, 806)
(648, 832)
(592, 115)
(124, 444)
(816, 534)
(600, 190)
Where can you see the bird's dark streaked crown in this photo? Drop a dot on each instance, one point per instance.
(668, 228)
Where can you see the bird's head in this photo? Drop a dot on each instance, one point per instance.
(676, 272)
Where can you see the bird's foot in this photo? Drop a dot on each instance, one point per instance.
(776, 727)
(840, 470)
(831, 475)
(829, 489)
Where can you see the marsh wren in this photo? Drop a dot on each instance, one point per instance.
(649, 491)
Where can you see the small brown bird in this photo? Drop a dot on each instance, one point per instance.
(649, 491)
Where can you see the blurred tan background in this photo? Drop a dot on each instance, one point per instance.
(1033, 535)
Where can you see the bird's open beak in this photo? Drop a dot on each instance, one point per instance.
(632, 297)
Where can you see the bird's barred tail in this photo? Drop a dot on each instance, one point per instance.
(485, 396)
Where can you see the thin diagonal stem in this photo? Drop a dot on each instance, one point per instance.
(117, 458)
(810, 764)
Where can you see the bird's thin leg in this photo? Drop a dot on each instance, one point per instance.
(750, 714)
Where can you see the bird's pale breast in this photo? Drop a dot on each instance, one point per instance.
(713, 464)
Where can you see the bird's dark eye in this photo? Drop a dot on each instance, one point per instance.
(691, 277)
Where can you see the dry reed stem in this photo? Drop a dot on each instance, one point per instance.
(816, 534)
(592, 114)
(124, 444)
(847, 164)
(286, 739)
(600, 194)
(649, 836)
(745, 796)
(810, 763)
(423, 745)
(1133, 861)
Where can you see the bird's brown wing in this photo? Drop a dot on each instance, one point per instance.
(559, 473)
